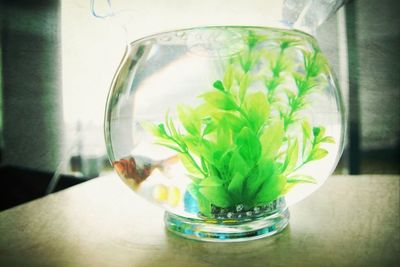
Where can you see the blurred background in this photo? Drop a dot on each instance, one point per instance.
(57, 63)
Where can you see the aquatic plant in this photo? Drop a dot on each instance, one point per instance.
(241, 145)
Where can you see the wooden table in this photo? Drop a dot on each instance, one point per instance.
(350, 221)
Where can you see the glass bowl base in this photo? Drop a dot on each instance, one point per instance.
(227, 231)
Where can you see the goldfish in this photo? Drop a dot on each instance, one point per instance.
(139, 168)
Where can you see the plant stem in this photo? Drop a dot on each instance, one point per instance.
(194, 163)
(313, 143)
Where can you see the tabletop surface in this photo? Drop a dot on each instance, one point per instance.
(350, 221)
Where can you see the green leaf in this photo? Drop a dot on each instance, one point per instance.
(319, 133)
(195, 179)
(209, 126)
(152, 128)
(316, 131)
(204, 164)
(230, 120)
(169, 145)
(216, 157)
(222, 162)
(306, 126)
(201, 148)
(223, 135)
(244, 85)
(245, 62)
(172, 129)
(318, 154)
(264, 172)
(328, 139)
(216, 195)
(301, 179)
(220, 100)
(156, 130)
(257, 108)
(236, 185)
(272, 83)
(239, 170)
(238, 165)
(205, 110)
(162, 129)
(228, 77)
(289, 42)
(212, 181)
(314, 63)
(189, 164)
(189, 119)
(218, 85)
(192, 142)
(204, 204)
(271, 140)
(253, 39)
(291, 156)
(213, 169)
(249, 146)
(301, 83)
(278, 66)
(271, 189)
(307, 136)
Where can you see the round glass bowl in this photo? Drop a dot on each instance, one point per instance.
(224, 127)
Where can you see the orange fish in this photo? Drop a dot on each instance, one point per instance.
(139, 168)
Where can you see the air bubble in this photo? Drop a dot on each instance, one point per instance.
(239, 207)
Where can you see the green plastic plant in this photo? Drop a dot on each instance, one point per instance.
(238, 145)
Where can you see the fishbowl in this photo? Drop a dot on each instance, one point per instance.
(224, 127)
